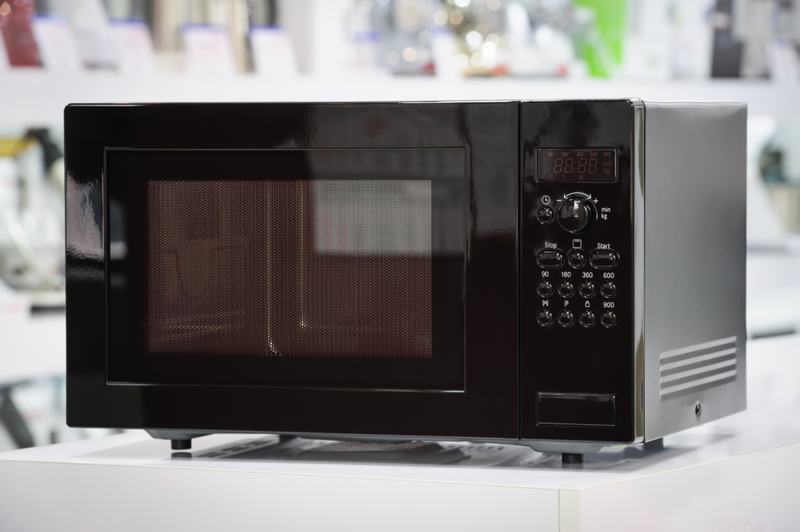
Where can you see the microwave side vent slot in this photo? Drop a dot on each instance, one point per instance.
(698, 367)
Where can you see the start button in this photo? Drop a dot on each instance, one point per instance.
(603, 259)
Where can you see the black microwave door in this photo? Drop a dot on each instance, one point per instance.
(302, 268)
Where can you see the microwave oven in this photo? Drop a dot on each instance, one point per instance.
(558, 274)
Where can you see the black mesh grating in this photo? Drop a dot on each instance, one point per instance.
(289, 268)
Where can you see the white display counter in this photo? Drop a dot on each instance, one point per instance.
(739, 473)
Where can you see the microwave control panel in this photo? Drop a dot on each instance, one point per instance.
(577, 277)
(576, 267)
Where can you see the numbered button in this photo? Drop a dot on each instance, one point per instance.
(576, 259)
(545, 318)
(587, 318)
(587, 289)
(544, 289)
(566, 318)
(566, 289)
(608, 290)
(608, 319)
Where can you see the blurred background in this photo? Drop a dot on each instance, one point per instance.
(56, 52)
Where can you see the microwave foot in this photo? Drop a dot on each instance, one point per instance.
(181, 445)
(571, 458)
(181, 441)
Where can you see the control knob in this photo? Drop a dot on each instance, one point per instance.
(576, 213)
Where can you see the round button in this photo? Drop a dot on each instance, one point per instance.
(545, 215)
(576, 259)
(566, 318)
(608, 290)
(566, 289)
(545, 318)
(587, 289)
(587, 318)
(544, 289)
(608, 319)
(576, 213)
(545, 200)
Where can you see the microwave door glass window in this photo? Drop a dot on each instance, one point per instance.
(330, 268)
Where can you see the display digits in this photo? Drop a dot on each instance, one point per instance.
(577, 165)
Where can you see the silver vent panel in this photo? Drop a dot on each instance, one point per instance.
(698, 367)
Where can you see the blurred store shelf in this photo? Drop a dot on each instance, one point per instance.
(35, 97)
(34, 348)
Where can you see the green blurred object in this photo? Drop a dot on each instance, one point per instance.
(604, 47)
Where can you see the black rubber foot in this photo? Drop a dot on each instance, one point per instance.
(181, 445)
(655, 445)
(571, 458)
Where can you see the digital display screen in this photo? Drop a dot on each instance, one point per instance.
(558, 165)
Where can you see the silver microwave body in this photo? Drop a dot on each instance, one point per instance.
(690, 224)
(672, 182)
